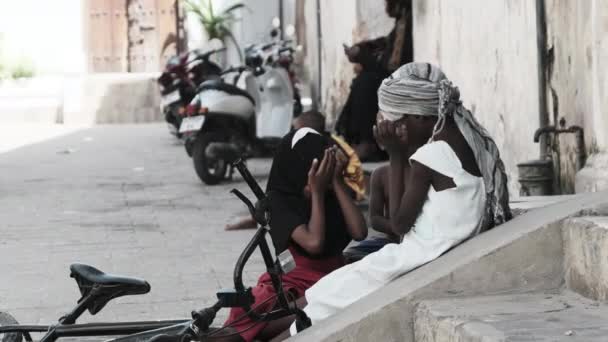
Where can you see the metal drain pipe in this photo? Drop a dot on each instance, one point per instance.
(541, 43)
(319, 56)
(282, 19)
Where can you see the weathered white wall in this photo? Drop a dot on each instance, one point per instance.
(306, 24)
(578, 36)
(599, 31)
(372, 20)
(83, 99)
(342, 22)
(600, 76)
(256, 24)
(488, 49)
(338, 20)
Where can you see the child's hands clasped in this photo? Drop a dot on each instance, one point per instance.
(321, 174)
(391, 136)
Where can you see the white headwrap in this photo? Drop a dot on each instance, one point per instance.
(423, 89)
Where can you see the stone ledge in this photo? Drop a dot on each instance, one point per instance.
(594, 176)
(543, 316)
(525, 254)
(586, 256)
(83, 100)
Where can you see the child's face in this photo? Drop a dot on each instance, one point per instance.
(419, 128)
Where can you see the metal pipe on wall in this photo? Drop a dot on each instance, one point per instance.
(319, 55)
(282, 19)
(541, 43)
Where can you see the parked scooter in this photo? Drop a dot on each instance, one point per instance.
(225, 122)
(281, 55)
(179, 81)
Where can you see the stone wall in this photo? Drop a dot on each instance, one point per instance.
(578, 77)
(342, 22)
(488, 49)
(111, 98)
(307, 37)
(338, 20)
(256, 22)
(497, 65)
(106, 98)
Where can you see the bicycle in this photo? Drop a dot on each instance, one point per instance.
(98, 289)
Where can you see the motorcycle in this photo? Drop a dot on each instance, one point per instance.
(97, 289)
(179, 80)
(225, 122)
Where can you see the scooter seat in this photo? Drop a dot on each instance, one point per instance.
(107, 286)
(225, 87)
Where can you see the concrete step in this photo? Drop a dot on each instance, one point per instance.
(82, 99)
(544, 316)
(586, 256)
(525, 255)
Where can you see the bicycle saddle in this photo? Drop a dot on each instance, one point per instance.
(106, 286)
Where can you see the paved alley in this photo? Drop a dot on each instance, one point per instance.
(126, 200)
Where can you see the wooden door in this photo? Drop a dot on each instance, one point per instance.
(167, 21)
(130, 35)
(106, 27)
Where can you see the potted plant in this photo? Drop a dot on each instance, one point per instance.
(217, 24)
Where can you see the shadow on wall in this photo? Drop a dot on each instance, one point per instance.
(133, 101)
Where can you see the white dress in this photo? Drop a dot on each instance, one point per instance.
(448, 217)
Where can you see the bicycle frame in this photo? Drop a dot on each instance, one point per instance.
(201, 320)
(55, 332)
(242, 297)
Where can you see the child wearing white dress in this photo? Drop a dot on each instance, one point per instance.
(456, 186)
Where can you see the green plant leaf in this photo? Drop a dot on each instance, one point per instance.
(200, 9)
(211, 14)
(234, 8)
(216, 25)
(238, 48)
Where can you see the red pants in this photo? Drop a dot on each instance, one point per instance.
(307, 273)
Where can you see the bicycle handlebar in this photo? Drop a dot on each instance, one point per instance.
(201, 320)
(253, 185)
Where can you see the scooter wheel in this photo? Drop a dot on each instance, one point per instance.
(211, 172)
(6, 319)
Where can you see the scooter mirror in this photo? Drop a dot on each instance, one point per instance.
(259, 71)
(290, 31)
(276, 22)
